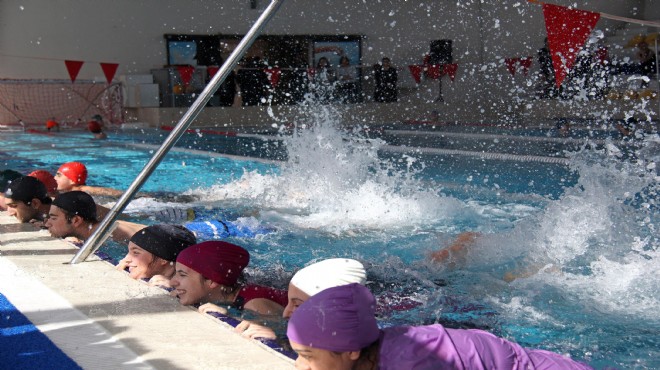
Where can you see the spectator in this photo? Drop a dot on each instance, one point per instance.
(386, 78)
(346, 90)
(253, 82)
(323, 80)
(547, 71)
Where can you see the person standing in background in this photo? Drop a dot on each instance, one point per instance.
(386, 78)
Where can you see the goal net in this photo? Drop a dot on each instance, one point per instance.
(33, 102)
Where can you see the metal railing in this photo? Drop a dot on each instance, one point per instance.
(103, 229)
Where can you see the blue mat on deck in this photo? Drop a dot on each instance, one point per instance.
(23, 346)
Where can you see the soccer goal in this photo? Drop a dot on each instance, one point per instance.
(33, 102)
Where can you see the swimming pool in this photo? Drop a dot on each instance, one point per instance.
(592, 224)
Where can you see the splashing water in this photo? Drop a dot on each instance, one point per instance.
(335, 182)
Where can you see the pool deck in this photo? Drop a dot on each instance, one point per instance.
(103, 319)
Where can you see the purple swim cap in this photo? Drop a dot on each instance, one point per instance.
(339, 319)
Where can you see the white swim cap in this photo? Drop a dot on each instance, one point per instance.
(329, 273)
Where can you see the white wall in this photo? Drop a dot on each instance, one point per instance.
(36, 36)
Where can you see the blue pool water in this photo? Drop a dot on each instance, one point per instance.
(589, 223)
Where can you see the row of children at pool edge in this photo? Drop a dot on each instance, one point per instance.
(332, 315)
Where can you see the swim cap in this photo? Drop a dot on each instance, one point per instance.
(164, 241)
(26, 188)
(6, 177)
(94, 127)
(74, 171)
(47, 178)
(77, 203)
(219, 261)
(339, 319)
(51, 123)
(329, 273)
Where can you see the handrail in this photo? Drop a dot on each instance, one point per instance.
(103, 230)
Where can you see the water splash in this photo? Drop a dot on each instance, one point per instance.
(335, 181)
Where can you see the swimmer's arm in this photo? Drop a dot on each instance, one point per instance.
(457, 250)
(101, 191)
(125, 230)
(253, 330)
(264, 306)
(528, 271)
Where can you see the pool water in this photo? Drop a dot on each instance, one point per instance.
(590, 226)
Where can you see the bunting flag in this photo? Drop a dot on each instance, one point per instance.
(109, 70)
(416, 72)
(450, 70)
(186, 73)
(567, 30)
(73, 66)
(212, 70)
(434, 71)
(511, 65)
(274, 75)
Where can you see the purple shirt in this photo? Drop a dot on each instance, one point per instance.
(435, 347)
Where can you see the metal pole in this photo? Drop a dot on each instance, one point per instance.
(101, 232)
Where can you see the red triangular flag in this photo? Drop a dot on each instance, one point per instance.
(416, 72)
(450, 70)
(511, 65)
(212, 70)
(73, 66)
(109, 70)
(525, 63)
(186, 73)
(567, 29)
(434, 72)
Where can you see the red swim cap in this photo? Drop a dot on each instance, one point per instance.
(47, 178)
(51, 124)
(219, 261)
(94, 127)
(75, 171)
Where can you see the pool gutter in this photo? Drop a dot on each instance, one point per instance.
(101, 318)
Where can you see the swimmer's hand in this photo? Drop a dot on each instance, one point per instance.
(159, 280)
(38, 224)
(121, 265)
(210, 307)
(251, 330)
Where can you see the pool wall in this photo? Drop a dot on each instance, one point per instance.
(529, 113)
(101, 318)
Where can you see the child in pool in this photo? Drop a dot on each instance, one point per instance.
(337, 329)
(152, 253)
(210, 272)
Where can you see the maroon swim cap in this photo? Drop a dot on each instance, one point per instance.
(219, 261)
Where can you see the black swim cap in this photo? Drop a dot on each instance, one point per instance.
(6, 177)
(77, 203)
(164, 241)
(26, 188)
